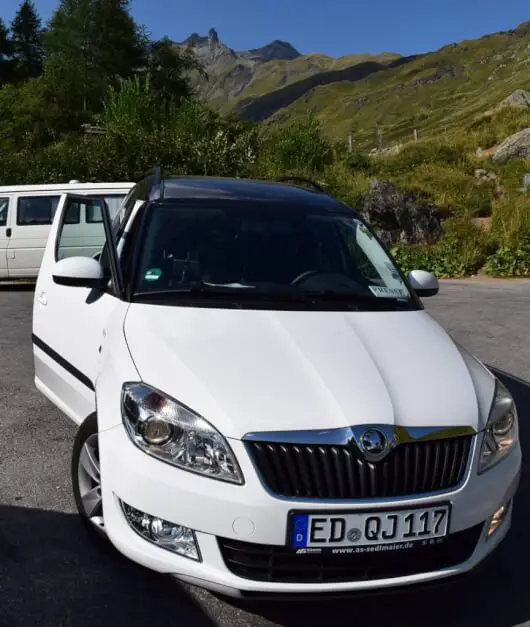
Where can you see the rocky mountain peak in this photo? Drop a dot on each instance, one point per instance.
(276, 50)
(213, 37)
(212, 45)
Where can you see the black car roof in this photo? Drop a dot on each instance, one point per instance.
(221, 188)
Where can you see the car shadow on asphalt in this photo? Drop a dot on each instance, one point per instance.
(52, 575)
(497, 595)
(17, 286)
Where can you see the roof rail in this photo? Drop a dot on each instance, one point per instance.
(302, 179)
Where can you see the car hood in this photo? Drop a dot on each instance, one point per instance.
(250, 371)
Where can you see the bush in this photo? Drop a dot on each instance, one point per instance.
(510, 261)
(192, 140)
(346, 186)
(360, 163)
(299, 147)
(511, 220)
(461, 252)
(450, 189)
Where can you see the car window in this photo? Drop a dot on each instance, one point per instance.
(114, 202)
(36, 210)
(268, 248)
(78, 237)
(4, 208)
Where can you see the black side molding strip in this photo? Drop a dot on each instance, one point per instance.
(62, 362)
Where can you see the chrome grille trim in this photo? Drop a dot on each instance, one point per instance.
(331, 464)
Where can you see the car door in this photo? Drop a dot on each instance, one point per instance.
(5, 228)
(69, 322)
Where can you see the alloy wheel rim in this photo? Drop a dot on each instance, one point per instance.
(89, 479)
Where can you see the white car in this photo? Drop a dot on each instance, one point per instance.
(264, 406)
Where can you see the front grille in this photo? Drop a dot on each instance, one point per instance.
(261, 562)
(338, 472)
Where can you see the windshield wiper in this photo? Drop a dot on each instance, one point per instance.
(358, 298)
(279, 293)
(200, 287)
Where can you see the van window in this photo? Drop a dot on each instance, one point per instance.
(73, 214)
(36, 210)
(4, 206)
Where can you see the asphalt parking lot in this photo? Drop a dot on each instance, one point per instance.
(52, 576)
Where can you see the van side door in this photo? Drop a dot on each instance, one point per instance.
(5, 228)
(32, 217)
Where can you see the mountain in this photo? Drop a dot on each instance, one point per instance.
(436, 92)
(235, 76)
(440, 92)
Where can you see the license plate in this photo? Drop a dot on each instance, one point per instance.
(341, 530)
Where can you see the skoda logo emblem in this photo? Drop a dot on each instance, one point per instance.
(374, 444)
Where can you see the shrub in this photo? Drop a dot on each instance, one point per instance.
(510, 261)
(298, 147)
(461, 252)
(348, 187)
(360, 163)
(451, 189)
(511, 220)
(192, 140)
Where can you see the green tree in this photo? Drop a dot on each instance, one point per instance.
(169, 69)
(6, 54)
(26, 40)
(91, 44)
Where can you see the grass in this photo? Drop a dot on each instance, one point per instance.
(274, 75)
(444, 92)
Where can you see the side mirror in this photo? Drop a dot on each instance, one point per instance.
(79, 272)
(424, 283)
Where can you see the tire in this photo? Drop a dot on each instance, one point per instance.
(86, 480)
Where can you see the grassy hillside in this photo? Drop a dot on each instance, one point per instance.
(235, 80)
(436, 93)
(274, 75)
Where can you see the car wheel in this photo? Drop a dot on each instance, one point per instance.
(86, 478)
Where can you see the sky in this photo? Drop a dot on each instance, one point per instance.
(333, 27)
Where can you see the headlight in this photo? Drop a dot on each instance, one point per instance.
(167, 430)
(502, 431)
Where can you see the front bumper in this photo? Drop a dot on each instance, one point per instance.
(249, 515)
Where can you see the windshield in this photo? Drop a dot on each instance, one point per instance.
(266, 252)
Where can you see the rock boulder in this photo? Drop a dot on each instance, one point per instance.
(399, 218)
(520, 99)
(514, 147)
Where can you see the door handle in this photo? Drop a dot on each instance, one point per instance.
(42, 298)
(8, 231)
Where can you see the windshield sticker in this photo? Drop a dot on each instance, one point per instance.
(388, 292)
(153, 274)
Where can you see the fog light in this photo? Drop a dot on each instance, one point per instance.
(497, 519)
(166, 535)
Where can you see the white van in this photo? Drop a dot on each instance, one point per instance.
(26, 215)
